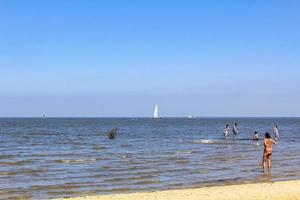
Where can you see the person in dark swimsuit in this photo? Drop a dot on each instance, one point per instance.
(234, 130)
(268, 148)
(112, 134)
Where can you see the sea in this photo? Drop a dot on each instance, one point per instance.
(66, 157)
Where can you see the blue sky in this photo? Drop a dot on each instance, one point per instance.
(120, 58)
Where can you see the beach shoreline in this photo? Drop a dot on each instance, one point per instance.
(283, 190)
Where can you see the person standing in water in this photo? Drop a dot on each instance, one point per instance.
(226, 130)
(255, 138)
(268, 148)
(276, 132)
(235, 130)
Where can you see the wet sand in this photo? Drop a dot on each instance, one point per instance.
(284, 190)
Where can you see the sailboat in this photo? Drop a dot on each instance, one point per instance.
(156, 113)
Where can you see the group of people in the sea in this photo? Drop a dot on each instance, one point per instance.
(227, 130)
(268, 143)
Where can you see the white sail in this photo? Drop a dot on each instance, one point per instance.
(156, 112)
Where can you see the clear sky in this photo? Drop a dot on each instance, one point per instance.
(120, 58)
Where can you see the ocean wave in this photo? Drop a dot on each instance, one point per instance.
(99, 147)
(6, 156)
(185, 152)
(76, 160)
(182, 161)
(23, 171)
(19, 162)
(201, 171)
(146, 182)
(126, 145)
(105, 167)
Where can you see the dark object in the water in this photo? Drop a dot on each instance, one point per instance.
(112, 134)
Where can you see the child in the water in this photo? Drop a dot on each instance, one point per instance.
(268, 144)
(255, 136)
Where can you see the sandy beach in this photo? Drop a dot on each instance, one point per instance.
(285, 190)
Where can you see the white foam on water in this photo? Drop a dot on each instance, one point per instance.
(204, 141)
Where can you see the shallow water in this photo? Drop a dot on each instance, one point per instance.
(50, 158)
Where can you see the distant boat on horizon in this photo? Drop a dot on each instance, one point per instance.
(190, 116)
(156, 112)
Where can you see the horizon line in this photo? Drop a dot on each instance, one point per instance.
(166, 117)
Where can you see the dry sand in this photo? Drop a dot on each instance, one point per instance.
(285, 190)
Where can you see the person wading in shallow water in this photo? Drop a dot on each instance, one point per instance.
(276, 132)
(268, 148)
(255, 138)
(234, 130)
(226, 131)
(112, 134)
